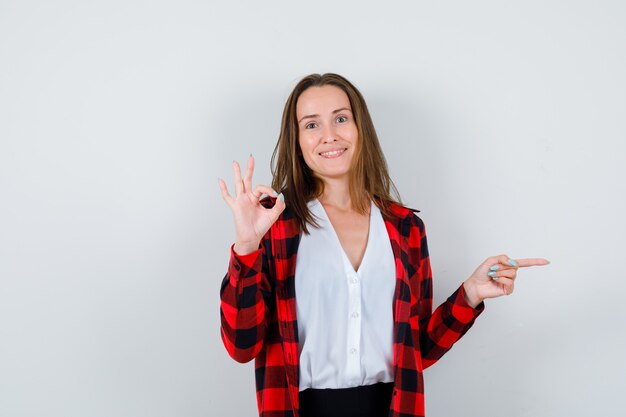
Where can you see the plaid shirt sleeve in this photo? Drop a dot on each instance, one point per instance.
(245, 295)
(440, 329)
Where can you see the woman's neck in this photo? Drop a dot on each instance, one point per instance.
(336, 194)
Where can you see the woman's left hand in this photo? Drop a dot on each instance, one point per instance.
(496, 277)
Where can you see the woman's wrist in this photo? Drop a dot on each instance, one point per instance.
(245, 248)
(471, 294)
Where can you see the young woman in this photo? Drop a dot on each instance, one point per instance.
(329, 284)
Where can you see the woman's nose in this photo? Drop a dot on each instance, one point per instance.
(328, 135)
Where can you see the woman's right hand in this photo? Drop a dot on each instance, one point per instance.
(252, 220)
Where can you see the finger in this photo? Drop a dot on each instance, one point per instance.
(532, 262)
(238, 182)
(502, 267)
(506, 285)
(504, 273)
(225, 195)
(247, 181)
(503, 260)
(279, 206)
(260, 189)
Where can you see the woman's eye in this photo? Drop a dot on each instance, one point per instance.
(342, 119)
(310, 125)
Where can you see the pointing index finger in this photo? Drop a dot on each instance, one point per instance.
(532, 262)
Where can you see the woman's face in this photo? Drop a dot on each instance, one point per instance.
(327, 131)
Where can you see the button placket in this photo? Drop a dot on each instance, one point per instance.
(353, 365)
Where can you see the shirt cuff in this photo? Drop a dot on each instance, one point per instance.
(461, 310)
(240, 264)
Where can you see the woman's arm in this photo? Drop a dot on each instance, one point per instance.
(245, 298)
(246, 292)
(438, 330)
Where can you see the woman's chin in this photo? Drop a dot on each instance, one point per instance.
(333, 175)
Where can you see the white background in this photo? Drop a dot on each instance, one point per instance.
(503, 122)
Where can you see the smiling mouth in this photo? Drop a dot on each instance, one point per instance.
(333, 154)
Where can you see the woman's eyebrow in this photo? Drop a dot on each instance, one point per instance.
(342, 109)
(312, 116)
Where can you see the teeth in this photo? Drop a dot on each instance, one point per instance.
(332, 153)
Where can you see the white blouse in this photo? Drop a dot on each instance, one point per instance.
(345, 317)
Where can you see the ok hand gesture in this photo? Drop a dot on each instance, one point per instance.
(252, 220)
